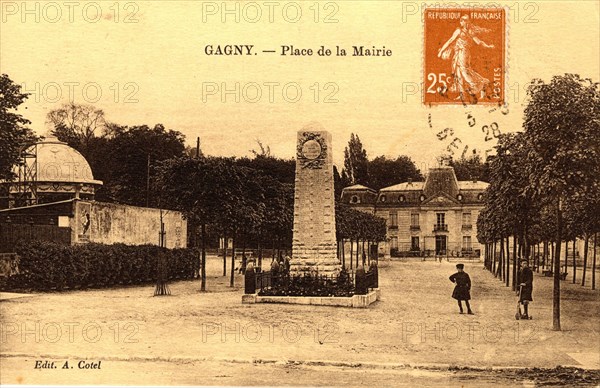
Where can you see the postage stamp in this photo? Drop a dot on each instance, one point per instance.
(464, 55)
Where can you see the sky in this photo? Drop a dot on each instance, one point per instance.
(145, 62)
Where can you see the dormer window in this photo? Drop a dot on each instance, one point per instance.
(480, 197)
(354, 199)
(422, 197)
(382, 198)
(459, 197)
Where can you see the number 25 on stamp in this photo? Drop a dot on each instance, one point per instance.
(464, 55)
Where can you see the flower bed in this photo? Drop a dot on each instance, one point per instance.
(310, 285)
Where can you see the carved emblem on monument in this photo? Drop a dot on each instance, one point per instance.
(312, 150)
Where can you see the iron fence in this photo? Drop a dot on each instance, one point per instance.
(346, 283)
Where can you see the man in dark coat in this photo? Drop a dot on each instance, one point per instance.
(526, 287)
(463, 287)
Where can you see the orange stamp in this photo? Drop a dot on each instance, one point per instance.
(464, 55)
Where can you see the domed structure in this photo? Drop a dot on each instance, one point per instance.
(51, 171)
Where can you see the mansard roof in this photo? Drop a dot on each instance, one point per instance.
(405, 186)
(440, 187)
(358, 187)
(441, 180)
(472, 185)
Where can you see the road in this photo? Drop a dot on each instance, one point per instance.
(412, 336)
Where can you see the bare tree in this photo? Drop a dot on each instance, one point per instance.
(265, 150)
(77, 124)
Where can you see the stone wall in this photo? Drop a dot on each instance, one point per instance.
(109, 223)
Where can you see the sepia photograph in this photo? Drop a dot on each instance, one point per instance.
(304, 193)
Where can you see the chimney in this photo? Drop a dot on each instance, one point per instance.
(410, 181)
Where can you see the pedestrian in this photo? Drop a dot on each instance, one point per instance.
(244, 263)
(525, 287)
(274, 272)
(286, 264)
(463, 287)
(274, 266)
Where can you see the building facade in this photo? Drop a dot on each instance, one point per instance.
(435, 217)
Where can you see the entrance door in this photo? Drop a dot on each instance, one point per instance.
(440, 245)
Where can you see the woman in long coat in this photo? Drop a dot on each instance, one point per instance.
(526, 287)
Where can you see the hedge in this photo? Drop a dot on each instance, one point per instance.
(52, 266)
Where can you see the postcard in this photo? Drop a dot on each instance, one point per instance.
(299, 193)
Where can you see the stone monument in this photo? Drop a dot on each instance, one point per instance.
(314, 245)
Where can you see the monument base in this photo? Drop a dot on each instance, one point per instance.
(355, 301)
(322, 259)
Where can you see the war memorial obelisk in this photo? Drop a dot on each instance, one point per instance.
(314, 246)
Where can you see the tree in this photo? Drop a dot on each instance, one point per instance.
(77, 125)
(281, 170)
(212, 191)
(582, 219)
(132, 158)
(469, 168)
(355, 161)
(562, 123)
(340, 180)
(185, 185)
(278, 213)
(14, 133)
(265, 150)
(385, 172)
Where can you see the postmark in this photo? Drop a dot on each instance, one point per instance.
(464, 56)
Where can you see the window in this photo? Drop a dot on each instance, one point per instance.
(382, 198)
(354, 199)
(414, 219)
(441, 219)
(467, 243)
(440, 225)
(394, 243)
(414, 243)
(393, 220)
(466, 218)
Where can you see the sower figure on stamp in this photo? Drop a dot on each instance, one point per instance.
(466, 80)
(462, 290)
(525, 288)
